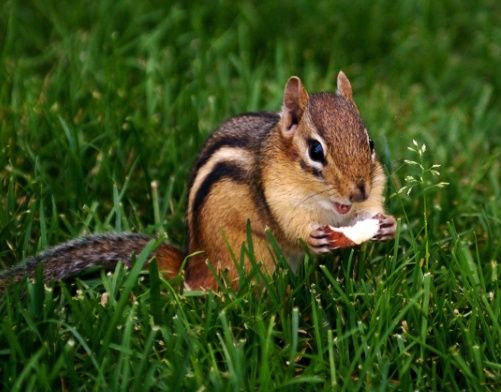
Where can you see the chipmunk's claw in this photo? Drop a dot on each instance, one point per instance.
(319, 240)
(387, 227)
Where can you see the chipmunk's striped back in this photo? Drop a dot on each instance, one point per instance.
(230, 154)
(225, 173)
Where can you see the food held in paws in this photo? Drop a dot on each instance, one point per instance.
(360, 232)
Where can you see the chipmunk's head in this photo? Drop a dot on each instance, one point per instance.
(325, 137)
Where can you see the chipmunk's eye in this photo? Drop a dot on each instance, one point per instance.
(316, 151)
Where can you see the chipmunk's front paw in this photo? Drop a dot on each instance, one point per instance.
(387, 227)
(323, 240)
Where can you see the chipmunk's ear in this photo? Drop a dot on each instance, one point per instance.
(344, 86)
(295, 100)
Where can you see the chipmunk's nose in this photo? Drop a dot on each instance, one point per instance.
(359, 193)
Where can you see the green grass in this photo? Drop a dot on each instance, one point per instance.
(100, 98)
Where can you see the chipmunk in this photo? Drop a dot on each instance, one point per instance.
(295, 173)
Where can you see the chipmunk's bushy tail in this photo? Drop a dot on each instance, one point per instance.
(105, 250)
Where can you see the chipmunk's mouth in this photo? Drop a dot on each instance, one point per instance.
(342, 208)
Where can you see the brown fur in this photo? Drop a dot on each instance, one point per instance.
(169, 260)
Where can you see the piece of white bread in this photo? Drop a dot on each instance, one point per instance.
(361, 231)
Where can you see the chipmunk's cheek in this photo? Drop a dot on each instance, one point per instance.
(326, 205)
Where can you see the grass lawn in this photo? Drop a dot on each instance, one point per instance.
(101, 99)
